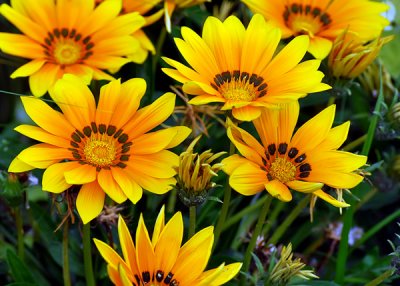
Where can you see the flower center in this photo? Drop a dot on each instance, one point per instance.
(285, 165)
(101, 146)
(67, 47)
(240, 86)
(282, 170)
(305, 19)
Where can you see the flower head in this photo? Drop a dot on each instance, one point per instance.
(350, 56)
(238, 67)
(194, 174)
(161, 260)
(74, 37)
(323, 20)
(303, 162)
(107, 150)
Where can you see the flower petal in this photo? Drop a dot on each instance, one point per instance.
(330, 199)
(278, 190)
(304, 187)
(130, 187)
(248, 179)
(110, 186)
(53, 177)
(90, 201)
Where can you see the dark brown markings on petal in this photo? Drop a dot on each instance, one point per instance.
(301, 158)
(146, 276)
(89, 46)
(258, 81)
(124, 157)
(123, 138)
(282, 148)
(98, 169)
(128, 144)
(137, 279)
(111, 130)
(262, 87)
(174, 283)
(86, 40)
(94, 127)
(80, 133)
(214, 86)
(51, 37)
(271, 149)
(125, 150)
(119, 132)
(168, 279)
(72, 149)
(159, 275)
(78, 37)
(56, 32)
(64, 32)
(72, 34)
(253, 78)
(87, 131)
(82, 162)
(293, 152)
(217, 81)
(76, 155)
(220, 79)
(295, 8)
(121, 165)
(47, 41)
(308, 9)
(76, 137)
(226, 76)
(236, 74)
(316, 12)
(87, 55)
(286, 14)
(262, 93)
(325, 19)
(102, 128)
(269, 177)
(304, 175)
(244, 76)
(74, 144)
(305, 167)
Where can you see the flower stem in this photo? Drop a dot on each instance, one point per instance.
(87, 256)
(66, 276)
(171, 201)
(354, 144)
(288, 221)
(254, 236)
(225, 204)
(378, 280)
(20, 233)
(348, 217)
(192, 221)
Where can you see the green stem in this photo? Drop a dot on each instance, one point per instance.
(254, 236)
(348, 217)
(171, 201)
(238, 216)
(225, 204)
(272, 218)
(66, 276)
(378, 280)
(288, 221)
(192, 221)
(20, 233)
(87, 256)
(354, 144)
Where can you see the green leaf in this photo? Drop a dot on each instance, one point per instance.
(18, 269)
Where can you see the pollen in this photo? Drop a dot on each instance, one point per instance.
(240, 86)
(100, 152)
(282, 170)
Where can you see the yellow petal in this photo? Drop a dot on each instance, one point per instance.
(110, 186)
(330, 199)
(53, 177)
(127, 246)
(39, 134)
(304, 187)
(130, 188)
(28, 69)
(158, 226)
(90, 201)
(41, 81)
(278, 190)
(246, 113)
(145, 256)
(233, 162)
(248, 179)
(109, 254)
(320, 47)
(43, 155)
(18, 166)
(82, 174)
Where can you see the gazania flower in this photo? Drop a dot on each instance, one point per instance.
(323, 20)
(303, 162)
(107, 150)
(237, 67)
(141, 7)
(161, 260)
(69, 37)
(350, 56)
(171, 5)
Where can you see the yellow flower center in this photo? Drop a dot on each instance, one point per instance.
(67, 47)
(67, 53)
(305, 19)
(240, 86)
(285, 165)
(101, 146)
(100, 152)
(282, 170)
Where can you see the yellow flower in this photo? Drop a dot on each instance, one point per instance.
(69, 37)
(323, 20)
(350, 56)
(107, 149)
(141, 7)
(171, 5)
(161, 260)
(239, 68)
(303, 162)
